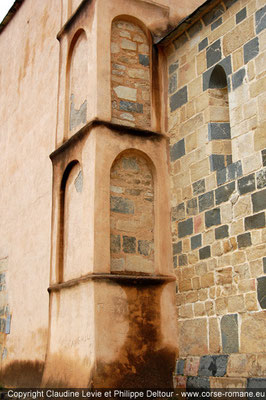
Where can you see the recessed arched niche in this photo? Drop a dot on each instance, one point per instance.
(131, 73)
(132, 214)
(219, 131)
(77, 77)
(71, 263)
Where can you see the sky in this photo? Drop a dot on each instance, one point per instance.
(4, 8)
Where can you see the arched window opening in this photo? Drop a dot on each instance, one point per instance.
(132, 214)
(219, 132)
(130, 74)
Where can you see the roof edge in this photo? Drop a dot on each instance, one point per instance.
(12, 11)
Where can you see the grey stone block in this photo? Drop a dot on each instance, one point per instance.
(178, 99)
(229, 330)
(229, 3)
(219, 131)
(212, 217)
(115, 244)
(255, 221)
(145, 247)
(244, 240)
(178, 212)
(261, 291)
(144, 60)
(223, 193)
(203, 44)
(256, 383)
(196, 241)
(238, 78)
(214, 53)
(213, 14)
(217, 23)
(177, 150)
(172, 86)
(175, 261)
(2, 325)
(194, 29)
(182, 260)
(259, 200)
(79, 116)
(221, 232)
(241, 15)
(129, 244)
(206, 201)
(263, 155)
(79, 182)
(192, 206)
(251, 50)
(246, 184)
(227, 66)
(205, 252)
(122, 205)
(131, 107)
(8, 324)
(213, 365)
(264, 264)
(196, 382)
(173, 67)
(180, 365)
(177, 247)
(130, 163)
(217, 161)
(261, 178)
(229, 173)
(260, 19)
(198, 187)
(185, 228)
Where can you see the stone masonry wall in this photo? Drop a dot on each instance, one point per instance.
(132, 215)
(218, 208)
(130, 75)
(5, 316)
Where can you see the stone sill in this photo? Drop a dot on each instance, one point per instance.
(128, 279)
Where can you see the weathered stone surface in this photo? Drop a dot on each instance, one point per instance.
(253, 339)
(179, 382)
(263, 154)
(244, 240)
(196, 241)
(178, 99)
(77, 116)
(213, 53)
(192, 366)
(129, 244)
(182, 260)
(217, 23)
(229, 173)
(117, 264)
(256, 383)
(185, 228)
(180, 41)
(221, 232)
(192, 206)
(246, 184)
(145, 247)
(229, 3)
(259, 200)
(122, 205)
(241, 15)
(229, 329)
(177, 150)
(223, 193)
(255, 221)
(227, 66)
(132, 107)
(178, 212)
(195, 382)
(128, 45)
(264, 264)
(144, 60)
(206, 201)
(180, 364)
(198, 187)
(238, 78)
(115, 243)
(173, 67)
(237, 37)
(261, 178)
(177, 247)
(205, 252)
(261, 290)
(194, 29)
(260, 19)
(213, 14)
(251, 50)
(212, 217)
(127, 93)
(217, 162)
(203, 44)
(193, 337)
(213, 365)
(172, 84)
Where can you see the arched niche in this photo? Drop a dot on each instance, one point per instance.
(77, 78)
(71, 263)
(132, 213)
(219, 130)
(131, 59)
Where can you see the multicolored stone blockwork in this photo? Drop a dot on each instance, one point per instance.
(217, 125)
(130, 75)
(132, 215)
